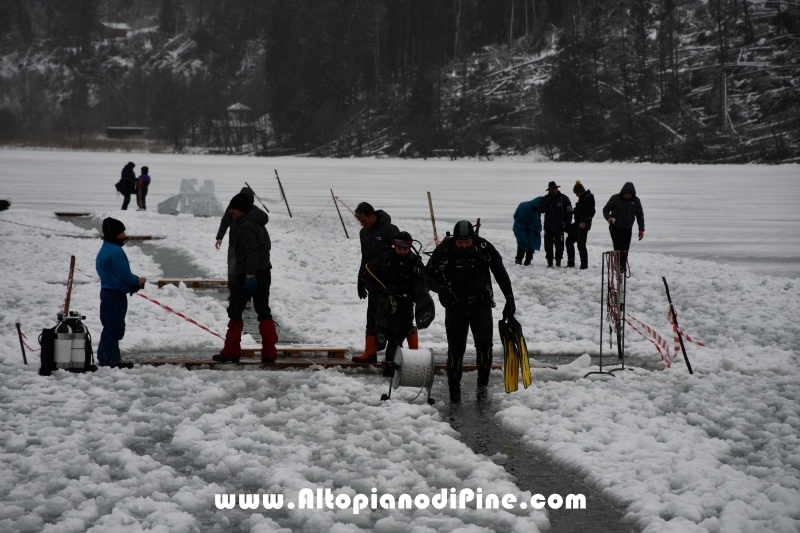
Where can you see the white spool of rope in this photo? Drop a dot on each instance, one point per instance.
(415, 368)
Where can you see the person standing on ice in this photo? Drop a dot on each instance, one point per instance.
(459, 271)
(393, 280)
(141, 189)
(557, 211)
(377, 232)
(579, 229)
(620, 212)
(129, 182)
(116, 282)
(229, 222)
(253, 278)
(528, 230)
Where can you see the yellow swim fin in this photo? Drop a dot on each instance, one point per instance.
(510, 357)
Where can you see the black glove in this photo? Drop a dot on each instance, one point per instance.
(135, 289)
(510, 308)
(362, 290)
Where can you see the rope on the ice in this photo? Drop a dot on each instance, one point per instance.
(312, 220)
(171, 310)
(48, 229)
(415, 370)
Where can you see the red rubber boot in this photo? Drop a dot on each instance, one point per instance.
(269, 337)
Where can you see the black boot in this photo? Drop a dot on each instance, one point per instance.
(528, 257)
(549, 263)
(558, 263)
(518, 258)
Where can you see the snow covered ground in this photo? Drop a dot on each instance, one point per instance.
(147, 449)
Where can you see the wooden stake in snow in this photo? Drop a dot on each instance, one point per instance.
(283, 193)
(340, 214)
(677, 328)
(69, 285)
(433, 220)
(21, 342)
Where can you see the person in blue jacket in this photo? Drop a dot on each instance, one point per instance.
(116, 282)
(528, 230)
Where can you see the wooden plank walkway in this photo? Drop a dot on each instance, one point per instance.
(295, 350)
(195, 283)
(287, 363)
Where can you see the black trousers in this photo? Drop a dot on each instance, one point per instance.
(526, 254)
(577, 235)
(458, 321)
(621, 238)
(240, 296)
(141, 196)
(553, 239)
(399, 324)
(126, 199)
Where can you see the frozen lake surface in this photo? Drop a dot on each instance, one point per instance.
(147, 449)
(737, 214)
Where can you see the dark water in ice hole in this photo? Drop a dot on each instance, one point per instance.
(474, 419)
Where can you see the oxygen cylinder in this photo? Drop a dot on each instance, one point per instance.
(78, 341)
(63, 346)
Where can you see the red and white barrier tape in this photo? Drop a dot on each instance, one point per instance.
(665, 356)
(660, 342)
(28, 346)
(186, 318)
(344, 204)
(171, 310)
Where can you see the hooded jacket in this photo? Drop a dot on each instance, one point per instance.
(128, 177)
(528, 225)
(378, 237)
(623, 212)
(228, 221)
(251, 243)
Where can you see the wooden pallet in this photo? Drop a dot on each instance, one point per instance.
(195, 283)
(287, 363)
(66, 214)
(295, 350)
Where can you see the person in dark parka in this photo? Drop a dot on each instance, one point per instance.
(579, 229)
(252, 280)
(129, 182)
(557, 211)
(460, 271)
(377, 233)
(393, 279)
(116, 282)
(229, 222)
(528, 230)
(621, 211)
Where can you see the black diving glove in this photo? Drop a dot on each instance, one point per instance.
(510, 308)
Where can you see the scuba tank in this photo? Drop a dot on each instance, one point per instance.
(78, 351)
(62, 356)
